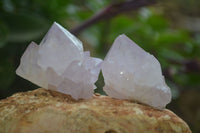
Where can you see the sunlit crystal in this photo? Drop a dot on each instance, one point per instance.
(131, 73)
(59, 63)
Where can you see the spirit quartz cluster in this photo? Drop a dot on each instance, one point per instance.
(132, 73)
(59, 63)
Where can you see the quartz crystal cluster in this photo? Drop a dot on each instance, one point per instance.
(59, 63)
(131, 73)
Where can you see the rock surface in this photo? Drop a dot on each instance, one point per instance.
(132, 73)
(45, 111)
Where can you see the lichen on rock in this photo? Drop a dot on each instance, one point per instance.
(48, 111)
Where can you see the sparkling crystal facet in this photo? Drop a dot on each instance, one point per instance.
(131, 73)
(59, 63)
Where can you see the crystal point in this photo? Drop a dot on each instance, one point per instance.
(59, 45)
(60, 64)
(132, 73)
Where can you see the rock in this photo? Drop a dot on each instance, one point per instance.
(60, 61)
(132, 73)
(45, 111)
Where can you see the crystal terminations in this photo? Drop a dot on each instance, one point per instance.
(131, 73)
(59, 63)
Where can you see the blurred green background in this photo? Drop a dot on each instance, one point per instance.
(170, 30)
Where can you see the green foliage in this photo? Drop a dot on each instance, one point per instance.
(6, 70)
(23, 27)
(23, 21)
(3, 34)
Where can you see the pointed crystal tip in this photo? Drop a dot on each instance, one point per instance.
(59, 63)
(132, 73)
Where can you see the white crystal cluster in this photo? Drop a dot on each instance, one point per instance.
(59, 63)
(131, 73)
